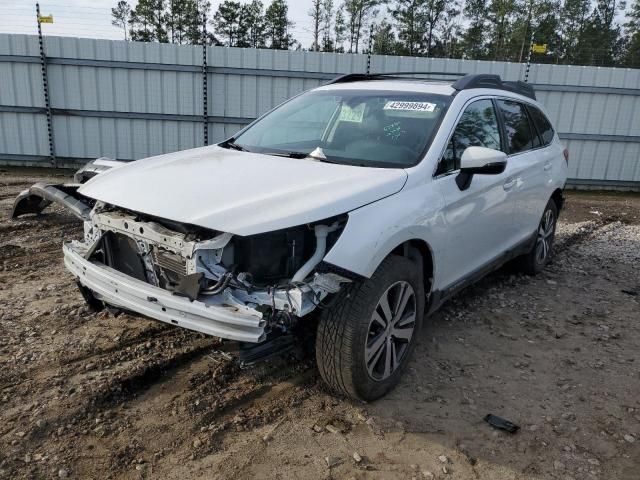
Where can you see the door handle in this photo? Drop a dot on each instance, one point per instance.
(509, 184)
(547, 166)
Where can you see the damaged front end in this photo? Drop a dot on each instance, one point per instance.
(233, 287)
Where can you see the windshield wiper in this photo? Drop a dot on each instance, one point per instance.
(316, 155)
(231, 144)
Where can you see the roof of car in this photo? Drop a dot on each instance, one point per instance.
(417, 86)
(434, 83)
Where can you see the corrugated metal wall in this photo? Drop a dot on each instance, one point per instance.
(131, 100)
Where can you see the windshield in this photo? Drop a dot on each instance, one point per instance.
(366, 128)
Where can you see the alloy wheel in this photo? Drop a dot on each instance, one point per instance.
(390, 330)
(545, 236)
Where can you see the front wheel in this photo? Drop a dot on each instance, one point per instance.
(534, 261)
(366, 338)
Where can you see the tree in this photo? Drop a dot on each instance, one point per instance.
(473, 39)
(228, 22)
(278, 24)
(632, 27)
(384, 40)
(317, 15)
(500, 17)
(358, 13)
(450, 30)
(255, 28)
(148, 22)
(197, 13)
(602, 43)
(177, 20)
(327, 19)
(573, 19)
(339, 31)
(409, 18)
(121, 15)
(434, 10)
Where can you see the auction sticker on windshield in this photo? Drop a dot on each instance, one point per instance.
(410, 106)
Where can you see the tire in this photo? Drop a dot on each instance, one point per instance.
(355, 325)
(539, 255)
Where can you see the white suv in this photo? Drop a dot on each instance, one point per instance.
(361, 205)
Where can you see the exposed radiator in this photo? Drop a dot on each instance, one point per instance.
(169, 261)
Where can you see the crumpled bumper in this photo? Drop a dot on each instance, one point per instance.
(120, 290)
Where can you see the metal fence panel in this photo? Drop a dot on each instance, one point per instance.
(130, 100)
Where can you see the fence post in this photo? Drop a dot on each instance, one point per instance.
(45, 89)
(370, 48)
(205, 82)
(526, 71)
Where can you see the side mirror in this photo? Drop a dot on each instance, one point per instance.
(479, 161)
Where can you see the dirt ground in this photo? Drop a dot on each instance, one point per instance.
(87, 395)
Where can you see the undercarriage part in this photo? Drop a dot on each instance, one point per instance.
(40, 196)
(276, 345)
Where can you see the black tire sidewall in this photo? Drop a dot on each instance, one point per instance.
(393, 270)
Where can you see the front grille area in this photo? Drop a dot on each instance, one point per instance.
(169, 261)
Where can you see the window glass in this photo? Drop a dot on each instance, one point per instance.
(478, 127)
(545, 130)
(365, 128)
(520, 136)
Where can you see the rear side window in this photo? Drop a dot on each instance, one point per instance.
(520, 134)
(478, 127)
(542, 123)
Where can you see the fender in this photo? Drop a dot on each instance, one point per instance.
(375, 230)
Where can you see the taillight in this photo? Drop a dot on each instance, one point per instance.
(565, 152)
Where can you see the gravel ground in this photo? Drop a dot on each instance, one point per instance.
(87, 395)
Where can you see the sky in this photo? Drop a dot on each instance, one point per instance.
(92, 18)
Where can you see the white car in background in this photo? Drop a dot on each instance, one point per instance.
(361, 205)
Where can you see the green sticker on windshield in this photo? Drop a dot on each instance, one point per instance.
(348, 114)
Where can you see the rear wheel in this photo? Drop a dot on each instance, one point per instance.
(534, 261)
(366, 338)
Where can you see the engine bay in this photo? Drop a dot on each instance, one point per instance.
(274, 273)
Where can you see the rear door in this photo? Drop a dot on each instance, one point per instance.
(528, 174)
(479, 219)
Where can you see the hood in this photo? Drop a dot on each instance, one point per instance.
(240, 192)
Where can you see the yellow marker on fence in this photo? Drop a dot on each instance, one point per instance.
(45, 19)
(537, 48)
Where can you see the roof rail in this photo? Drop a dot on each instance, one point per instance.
(357, 77)
(486, 80)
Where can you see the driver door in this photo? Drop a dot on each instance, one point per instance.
(478, 220)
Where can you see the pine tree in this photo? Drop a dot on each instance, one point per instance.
(196, 13)
(339, 31)
(148, 22)
(573, 20)
(121, 15)
(358, 13)
(450, 27)
(278, 24)
(327, 19)
(255, 28)
(177, 20)
(474, 38)
(500, 18)
(384, 40)
(632, 27)
(409, 18)
(602, 43)
(434, 11)
(316, 14)
(227, 22)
